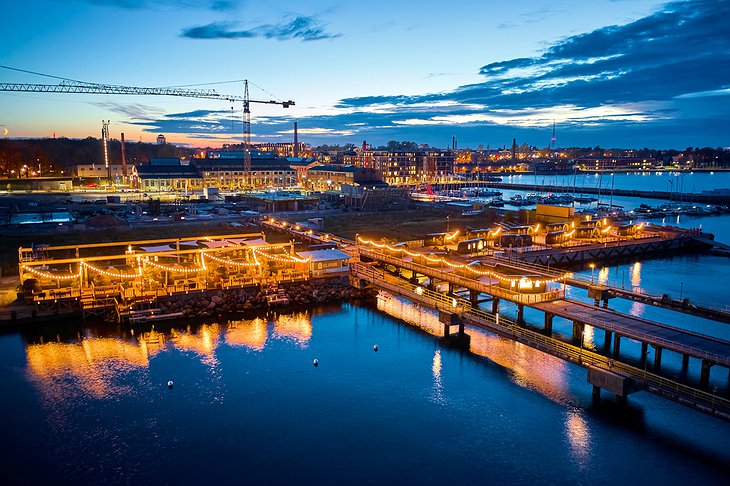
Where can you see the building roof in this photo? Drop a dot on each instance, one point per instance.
(324, 255)
(149, 171)
(166, 161)
(336, 168)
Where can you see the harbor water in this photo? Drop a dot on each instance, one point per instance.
(92, 405)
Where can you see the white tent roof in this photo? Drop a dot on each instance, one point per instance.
(324, 255)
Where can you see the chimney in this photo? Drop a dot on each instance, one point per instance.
(124, 161)
(453, 142)
(296, 140)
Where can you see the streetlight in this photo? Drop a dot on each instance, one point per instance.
(593, 271)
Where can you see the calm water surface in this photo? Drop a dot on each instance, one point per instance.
(87, 406)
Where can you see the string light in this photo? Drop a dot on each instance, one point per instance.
(118, 274)
(451, 237)
(167, 268)
(452, 264)
(43, 274)
(228, 262)
(280, 258)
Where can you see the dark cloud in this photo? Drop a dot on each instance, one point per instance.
(216, 30)
(301, 27)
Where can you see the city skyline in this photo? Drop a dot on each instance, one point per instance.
(644, 73)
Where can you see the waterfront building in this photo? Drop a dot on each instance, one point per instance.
(406, 167)
(100, 171)
(168, 174)
(327, 262)
(228, 171)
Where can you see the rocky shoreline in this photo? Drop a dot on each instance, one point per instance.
(219, 302)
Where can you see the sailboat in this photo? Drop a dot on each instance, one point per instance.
(582, 198)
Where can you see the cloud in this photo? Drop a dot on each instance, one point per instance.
(662, 80)
(300, 27)
(134, 110)
(635, 74)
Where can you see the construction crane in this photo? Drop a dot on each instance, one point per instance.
(94, 88)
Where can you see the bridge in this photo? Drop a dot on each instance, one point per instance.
(608, 367)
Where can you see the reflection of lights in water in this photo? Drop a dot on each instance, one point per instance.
(636, 274)
(152, 342)
(588, 333)
(579, 437)
(250, 334)
(637, 309)
(423, 318)
(438, 392)
(68, 370)
(530, 368)
(202, 343)
(603, 275)
(297, 327)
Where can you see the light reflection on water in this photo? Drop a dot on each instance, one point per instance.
(636, 276)
(294, 327)
(94, 366)
(425, 319)
(87, 368)
(438, 390)
(248, 334)
(529, 367)
(579, 437)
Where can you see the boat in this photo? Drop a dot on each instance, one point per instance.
(277, 298)
(472, 212)
(584, 199)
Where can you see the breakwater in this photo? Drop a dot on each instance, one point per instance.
(707, 198)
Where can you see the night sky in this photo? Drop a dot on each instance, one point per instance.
(607, 72)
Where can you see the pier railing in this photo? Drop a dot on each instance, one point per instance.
(472, 284)
(579, 355)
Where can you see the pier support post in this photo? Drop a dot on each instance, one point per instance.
(596, 302)
(474, 298)
(578, 328)
(605, 303)
(644, 352)
(520, 315)
(461, 327)
(616, 345)
(549, 323)
(451, 288)
(607, 341)
(705, 374)
(596, 393)
(685, 363)
(657, 359)
(495, 305)
(447, 330)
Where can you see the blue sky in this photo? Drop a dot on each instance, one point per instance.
(615, 73)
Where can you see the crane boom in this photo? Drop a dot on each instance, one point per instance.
(92, 88)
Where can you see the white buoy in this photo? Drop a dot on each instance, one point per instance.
(375, 348)
(169, 384)
(315, 362)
